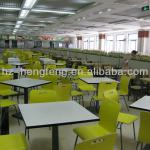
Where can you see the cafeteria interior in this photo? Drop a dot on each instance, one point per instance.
(74, 75)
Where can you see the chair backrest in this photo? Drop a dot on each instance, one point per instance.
(100, 143)
(84, 68)
(51, 66)
(5, 78)
(108, 113)
(63, 91)
(52, 78)
(124, 83)
(37, 65)
(105, 86)
(85, 74)
(144, 131)
(41, 96)
(111, 95)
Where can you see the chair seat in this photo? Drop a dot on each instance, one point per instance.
(13, 142)
(86, 87)
(126, 118)
(8, 93)
(122, 93)
(91, 131)
(76, 93)
(96, 98)
(7, 103)
(136, 87)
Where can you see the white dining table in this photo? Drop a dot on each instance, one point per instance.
(142, 104)
(55, 114)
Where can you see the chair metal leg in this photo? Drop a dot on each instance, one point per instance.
(17, 112)
(27, 132)
(121, 136)
(126, 103)
(76, 142)
(134, 131)
(141, 146)
(82, 100)
(137, 145)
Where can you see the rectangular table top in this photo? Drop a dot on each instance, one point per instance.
(55, 113)
(142, 104)
(146, 79)
(25, 82)
(18, 64)
(97, 80)
(65, 69)
(14, 70)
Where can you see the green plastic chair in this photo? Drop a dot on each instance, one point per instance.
(42, 96)
(63, 91)
(144, 130)
(107, 125)
(13, 142)
(5, 90)
(124, 88)
(103, 87)
(100, 143)
(53, 79)
(123, 118)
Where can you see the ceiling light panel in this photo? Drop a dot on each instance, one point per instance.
(11, 3)
(10, 8)
(29, 4)
(23, 14)
(53, 11)
(64, 5)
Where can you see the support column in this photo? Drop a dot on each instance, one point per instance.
(143, 41)
(102, 41)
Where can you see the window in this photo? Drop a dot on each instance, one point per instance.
(121, 43)
(92, 47)
(132, 45)
(109, 43)
(85, 43)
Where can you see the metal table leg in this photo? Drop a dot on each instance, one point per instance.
(55, 138)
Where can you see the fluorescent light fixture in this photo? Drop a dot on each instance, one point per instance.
(24, 13)
(46, 21)
(17, 26)
(19, 22)
(32, 25)
(109, 9)
(29, 4)
(54, 11)
(9, 8)
(8, 24)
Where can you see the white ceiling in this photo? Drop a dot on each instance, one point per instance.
(72, 16)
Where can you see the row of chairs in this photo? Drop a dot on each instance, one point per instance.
(110, 117)
(101, 135)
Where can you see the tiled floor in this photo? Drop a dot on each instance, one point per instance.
(41, 139)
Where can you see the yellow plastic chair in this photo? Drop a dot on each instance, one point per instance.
(107, 125)
(54, 81)
(41, 96)
(123, 118)
(77, 96)
(84, 68)
(6, 103)
(63, 91)
(84, 86)
(5, 90)
(51, 67)
(103, 87)
(144, 130)
(100, 143)
(37, 65)
(13, 142)
(124, 88)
